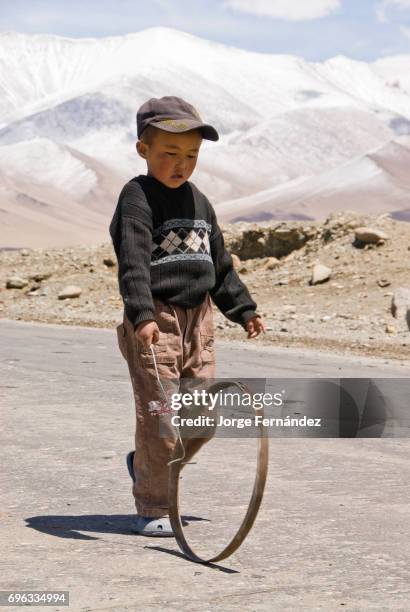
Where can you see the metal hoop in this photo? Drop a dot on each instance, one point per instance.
(254, 504)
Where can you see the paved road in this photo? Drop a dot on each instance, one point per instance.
(332, 532)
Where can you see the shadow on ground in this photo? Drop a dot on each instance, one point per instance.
(63, 526)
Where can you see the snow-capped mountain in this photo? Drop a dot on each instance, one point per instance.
(67, 126)
(395, 70)
(376, 182)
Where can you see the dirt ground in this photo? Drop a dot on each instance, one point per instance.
(349, 312)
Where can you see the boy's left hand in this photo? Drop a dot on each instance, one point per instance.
(255, 326)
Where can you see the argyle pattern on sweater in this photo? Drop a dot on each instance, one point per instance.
(181, 239)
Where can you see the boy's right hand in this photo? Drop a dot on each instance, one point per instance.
(147, 332)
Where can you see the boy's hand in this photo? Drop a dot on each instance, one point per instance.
(147, 332)
(255, 326)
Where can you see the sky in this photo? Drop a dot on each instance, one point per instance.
(313, 29)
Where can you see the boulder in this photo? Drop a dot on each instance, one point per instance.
(340, 223)
(383, 282)
(400, 305)
(270, 263)
(276, 241)
(71, 291)
(16, 282)
(320, 274)
(370, 235)
(109, 262)
(40, 276)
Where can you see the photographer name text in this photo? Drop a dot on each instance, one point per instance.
(242, 422)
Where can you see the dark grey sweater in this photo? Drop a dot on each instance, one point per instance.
(169, 245)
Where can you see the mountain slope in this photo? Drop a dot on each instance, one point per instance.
(67, 108)
(374, 183)
(75, 210)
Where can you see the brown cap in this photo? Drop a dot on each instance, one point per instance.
(172, 114)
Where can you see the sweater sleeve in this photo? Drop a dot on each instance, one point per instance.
(131, 232)
(229, 293)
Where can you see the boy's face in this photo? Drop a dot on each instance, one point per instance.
(171, 158)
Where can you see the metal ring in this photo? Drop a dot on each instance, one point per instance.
(254, 504)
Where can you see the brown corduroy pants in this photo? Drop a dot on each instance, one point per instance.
(185, 350)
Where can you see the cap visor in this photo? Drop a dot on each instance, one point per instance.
(184, 125)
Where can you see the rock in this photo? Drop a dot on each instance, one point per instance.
(262, 241)
(109, 262)
(270, 263)
(369, 235)
(390, 329)
(71, 291)
(40, 276)
(24, 252)
(400, 305)
(383, 282)
(16, 282)
(236, 261)
(320, 274)
(339, 224)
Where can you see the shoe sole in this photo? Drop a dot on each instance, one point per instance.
(155, 534)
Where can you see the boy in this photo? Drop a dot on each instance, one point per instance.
(171, 262)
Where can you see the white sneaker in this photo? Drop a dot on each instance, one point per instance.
(151, 526)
